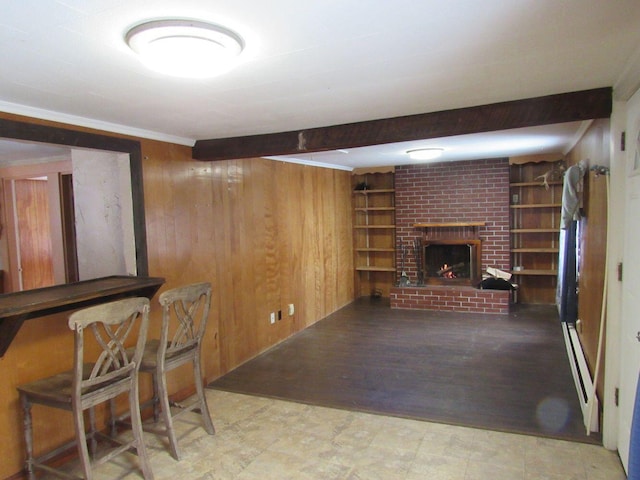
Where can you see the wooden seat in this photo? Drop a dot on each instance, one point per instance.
(185, 311)
(114, 372)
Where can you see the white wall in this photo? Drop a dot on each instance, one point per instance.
(104, 214)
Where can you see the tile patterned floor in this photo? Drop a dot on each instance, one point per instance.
(263, 439)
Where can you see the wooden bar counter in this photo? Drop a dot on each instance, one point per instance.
(17, 307)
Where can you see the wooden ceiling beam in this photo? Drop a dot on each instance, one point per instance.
(560, 108)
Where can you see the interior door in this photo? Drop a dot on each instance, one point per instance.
(33, 233)
(630, 325)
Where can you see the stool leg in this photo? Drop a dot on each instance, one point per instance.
(92, 431)
(28, 434)
(163, 396)
(136, 428)
(204, 407)
(155, 400)
(81, 438)
(112, 418)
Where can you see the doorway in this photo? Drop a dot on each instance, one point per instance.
(68, 220)
(38, 201)
(630, 321)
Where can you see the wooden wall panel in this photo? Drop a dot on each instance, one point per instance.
(289, 219)
(344, 232)
(593, 147)
(264, 233)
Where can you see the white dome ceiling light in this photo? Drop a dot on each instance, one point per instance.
(425, 153)
(185, 48)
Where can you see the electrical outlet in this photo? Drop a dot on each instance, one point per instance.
(292, 309)
(273, 317)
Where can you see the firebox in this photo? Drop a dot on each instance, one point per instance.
(454, 261)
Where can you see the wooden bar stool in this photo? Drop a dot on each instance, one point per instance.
(185, 311)
(114, 372)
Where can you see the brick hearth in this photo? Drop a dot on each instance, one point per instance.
(451, 298)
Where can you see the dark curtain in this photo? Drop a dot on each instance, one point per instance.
(567, 294)
(634, 441)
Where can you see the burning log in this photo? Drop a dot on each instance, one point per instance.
(447, 270)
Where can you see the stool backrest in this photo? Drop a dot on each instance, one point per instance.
(112, 325)
(187, 308)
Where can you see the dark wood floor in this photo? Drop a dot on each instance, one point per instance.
(499, 372)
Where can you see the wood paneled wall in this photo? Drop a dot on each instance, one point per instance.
(594, 148)
(264, 233)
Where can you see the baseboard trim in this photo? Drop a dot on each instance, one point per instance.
(581, 377)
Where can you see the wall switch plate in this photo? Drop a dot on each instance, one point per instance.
(273, 317)
(292, 309)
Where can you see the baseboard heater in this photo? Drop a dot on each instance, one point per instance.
(581, 377)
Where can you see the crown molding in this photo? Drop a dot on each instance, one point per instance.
(310, 163)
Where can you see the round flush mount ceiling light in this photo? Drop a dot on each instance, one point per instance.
(425, 153)
(185, 48)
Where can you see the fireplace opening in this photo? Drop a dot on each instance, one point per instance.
(451, 261)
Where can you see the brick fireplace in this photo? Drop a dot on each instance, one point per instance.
(462, 203)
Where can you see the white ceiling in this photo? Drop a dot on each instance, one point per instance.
(311, 63)
(14, 152)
